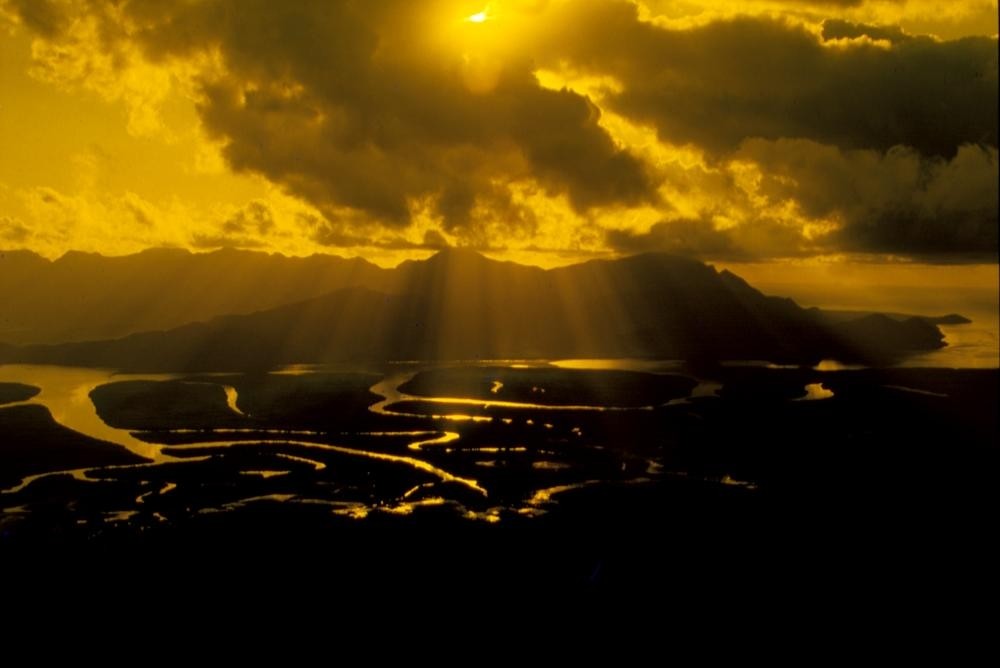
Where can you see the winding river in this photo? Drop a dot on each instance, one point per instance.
(65, 392)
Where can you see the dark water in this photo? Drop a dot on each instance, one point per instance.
(507, 471)
(483, 457)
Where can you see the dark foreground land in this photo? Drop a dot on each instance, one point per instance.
(888, 486)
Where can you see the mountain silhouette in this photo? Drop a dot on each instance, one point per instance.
(460, 305)
(85, 296)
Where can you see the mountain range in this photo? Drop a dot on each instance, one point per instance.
(172, 310)
(85, 296)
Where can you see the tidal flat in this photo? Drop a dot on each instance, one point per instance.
(605, 484)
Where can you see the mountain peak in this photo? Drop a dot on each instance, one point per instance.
(22, 256)
(78, 256)
(449, 259)
(453, 254)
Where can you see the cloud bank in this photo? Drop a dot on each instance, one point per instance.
(600, 125)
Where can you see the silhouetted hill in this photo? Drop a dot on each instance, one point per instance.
(84, 296)
(950, 319)
(460, 305)
(31, 441)
(840, 316)
(883, 336)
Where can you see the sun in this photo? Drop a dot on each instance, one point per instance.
(478, 17)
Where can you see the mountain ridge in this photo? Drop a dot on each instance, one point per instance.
(54, 301)
(461, 305)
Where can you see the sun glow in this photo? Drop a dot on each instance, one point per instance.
(479, 17)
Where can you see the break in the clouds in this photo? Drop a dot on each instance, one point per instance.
(780, 129)
(343, 104)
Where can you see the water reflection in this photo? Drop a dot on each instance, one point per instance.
(232, 396)
(913, 390)
(442, 439)
(621, 364)
(262, 459)
(388, 388)
(975, 345)
(66, 392)
(412, 462)
(493, 459)
(544, 496)
(170, 486)
(836, 365)
(316, 465)
(816, 392)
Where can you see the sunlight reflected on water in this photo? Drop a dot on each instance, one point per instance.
(66, 393)
(816, 392)
(834, 365)
(971, 346)
(534, 446)
(622, 364)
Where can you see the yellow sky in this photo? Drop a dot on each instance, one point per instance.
(545, 132)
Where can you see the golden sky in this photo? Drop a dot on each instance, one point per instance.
(799, 131)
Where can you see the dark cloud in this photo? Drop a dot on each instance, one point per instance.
(43, 16)
(701, 238)
(13, 231)
(339, 102)
(695, 238)
(255, 218)
(727, 81)
(337, 234)
(247, 228)
(434, 239)
(138, 214)
(862, 201)
(839, 29)
(885, 144)
(898, 202)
